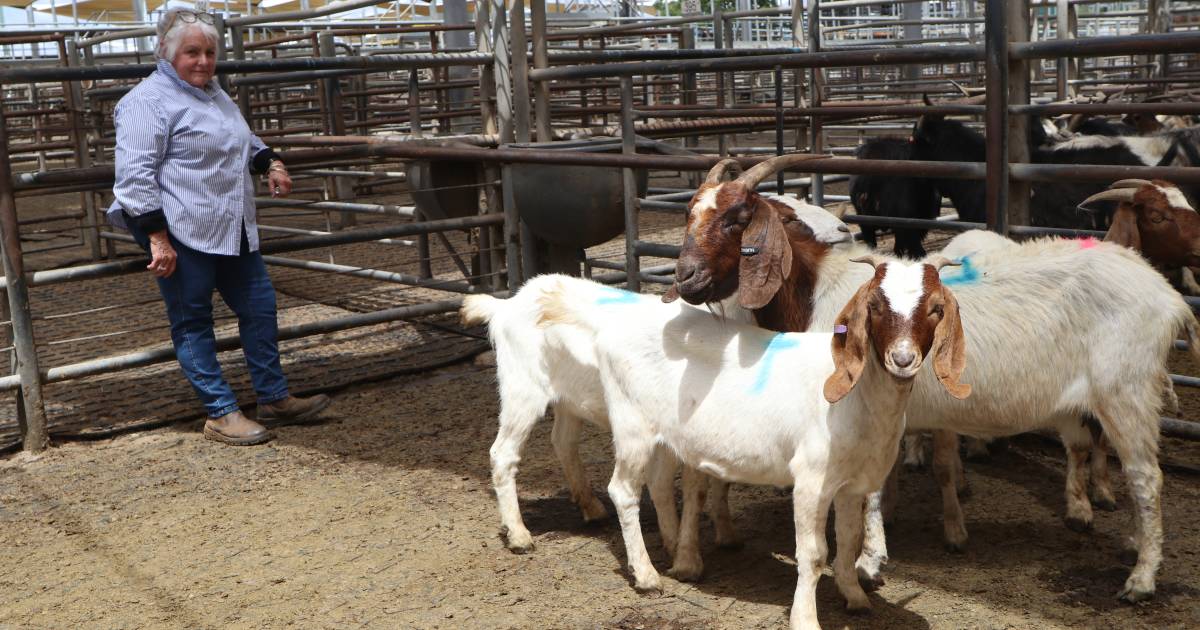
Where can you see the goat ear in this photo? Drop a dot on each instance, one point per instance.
(671, 295)
(850, 347)
(766, 259)
(950, 349)
(1124, 228)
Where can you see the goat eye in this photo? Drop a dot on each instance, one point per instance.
(1157, 217)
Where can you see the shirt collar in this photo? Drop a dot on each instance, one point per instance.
(169, 71)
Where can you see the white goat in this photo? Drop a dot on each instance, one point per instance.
(966, 244)
(1064, 328)
(748, 405)
(533, 375)
(1060, 328)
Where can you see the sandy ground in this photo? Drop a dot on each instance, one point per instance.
(384, 517)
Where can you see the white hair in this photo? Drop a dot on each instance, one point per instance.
(169, 39)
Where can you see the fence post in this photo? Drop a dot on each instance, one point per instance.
(1018, 126)
(816, 137)
(541, 89)
(335, 124)
(996, 119)
(33, 429)
(83, 159)
(633, 279)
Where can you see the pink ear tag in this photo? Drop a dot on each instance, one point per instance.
(839, 329)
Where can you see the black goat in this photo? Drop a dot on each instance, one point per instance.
(1053, 204)
(1088, 126)
(891, 196)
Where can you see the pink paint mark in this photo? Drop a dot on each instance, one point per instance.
(1087, 243)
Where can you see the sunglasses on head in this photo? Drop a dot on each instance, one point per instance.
(187, 17)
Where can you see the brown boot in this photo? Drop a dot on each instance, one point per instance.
(235, 429)
(293, 410)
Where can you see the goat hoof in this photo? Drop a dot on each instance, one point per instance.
(731, 544)
(1131, 595)
(1077, 524)
(521, 550)
(686, 573)
(956, 547)
(914, 466)
(965, 491)
(870, 583)
(862, 607)
(979, 456)
(593, 511)
(518, 543)
(649, 587)
(1106, 504)
(1128, 557)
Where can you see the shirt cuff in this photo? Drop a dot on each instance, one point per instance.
(149, 223)
(262, 161)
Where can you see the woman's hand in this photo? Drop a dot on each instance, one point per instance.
(278, 180)
(162, 255)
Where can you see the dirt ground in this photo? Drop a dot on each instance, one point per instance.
(384, 517)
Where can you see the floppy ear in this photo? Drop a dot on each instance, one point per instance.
(1124, 228)
(766, 258)
(850, 347)
(671, 295)
(950, 349)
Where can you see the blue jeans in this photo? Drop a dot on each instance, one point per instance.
(243, 283)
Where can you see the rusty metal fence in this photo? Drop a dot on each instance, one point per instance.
(366, 111)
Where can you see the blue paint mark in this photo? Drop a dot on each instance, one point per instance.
(968, 274)
(616, 296)
(777, 344)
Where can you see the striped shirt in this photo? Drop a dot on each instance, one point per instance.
(186, 151)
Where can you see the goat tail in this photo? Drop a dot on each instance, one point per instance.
(1171, 396)
(1193, 338)
(478, 309)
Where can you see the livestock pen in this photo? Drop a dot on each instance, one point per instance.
(437, 158)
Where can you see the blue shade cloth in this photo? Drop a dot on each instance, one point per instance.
(186, 151)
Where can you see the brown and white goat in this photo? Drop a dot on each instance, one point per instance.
(1108, 312)
(1155, 218)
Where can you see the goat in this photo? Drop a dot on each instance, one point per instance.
(892, 196)
(1052, 204)
(748, 405)
(1093, 317)
(532, 375)
(1150, 123)
(1155, 218)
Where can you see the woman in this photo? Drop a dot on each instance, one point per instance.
(185, 167)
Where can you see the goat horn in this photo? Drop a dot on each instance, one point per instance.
(718, 171)
(871, 259)
(928, 101)
(940, 261)
(765, 169)
(1129, 183)
(1112, 194)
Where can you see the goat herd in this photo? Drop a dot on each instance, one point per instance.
(1063, 334)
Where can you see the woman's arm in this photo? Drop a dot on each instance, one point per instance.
(267, 161)
(141, 146)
